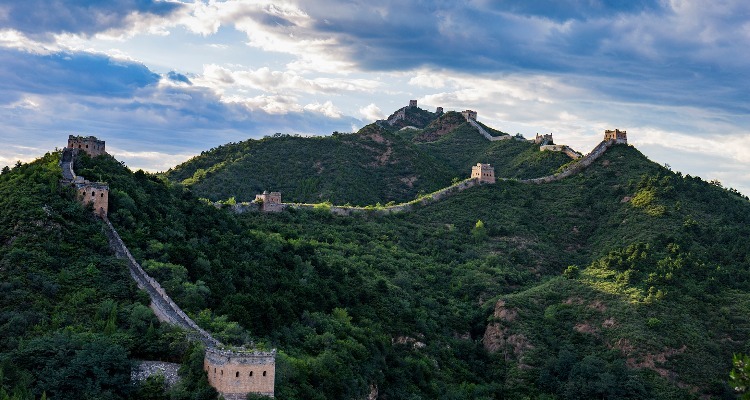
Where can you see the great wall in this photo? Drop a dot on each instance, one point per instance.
(233, 372)
(271, 202)
(237, 372)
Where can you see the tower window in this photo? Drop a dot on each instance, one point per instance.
(251, 373)
(237, 374)
(93, 193)
(264, 373)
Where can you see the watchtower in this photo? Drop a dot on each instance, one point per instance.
(439, 110)
(89, 144)
(412, 103)
(270, 201)
(95, 193)
(235, 374)
(543, 139)
(484, 172)
(469, 114)
(617, 135)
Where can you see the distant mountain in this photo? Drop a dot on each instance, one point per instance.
(384, 161)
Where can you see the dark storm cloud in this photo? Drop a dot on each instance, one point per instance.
(39, 18)
(642, 51)
(71, 73)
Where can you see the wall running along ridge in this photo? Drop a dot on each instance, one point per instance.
(167, 311)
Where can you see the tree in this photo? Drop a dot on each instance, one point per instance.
(479, 232)
(739, 378)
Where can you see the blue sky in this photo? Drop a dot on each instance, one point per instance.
(161, 81)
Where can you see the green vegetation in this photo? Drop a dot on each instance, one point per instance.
(376, 164)
(626, 281)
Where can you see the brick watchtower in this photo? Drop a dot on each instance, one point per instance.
(484, 172)
(234, 374)
(617, 135)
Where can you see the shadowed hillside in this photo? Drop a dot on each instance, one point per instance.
(379, 164)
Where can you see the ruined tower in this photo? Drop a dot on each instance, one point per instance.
(543, 139)
(234, 374)
(89, 144)
(484, 172)
(412, 103)
(469, 114)
(617, 135)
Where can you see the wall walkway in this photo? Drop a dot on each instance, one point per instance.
(164, 308)
(487, 134)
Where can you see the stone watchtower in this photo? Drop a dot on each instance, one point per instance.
(270, 201)
(439, 110)
(469, 115)
(235, 374)
(89, 144)
(484, 172)
(94, 193)
(543, 139)
(617, 135)
(412, 103)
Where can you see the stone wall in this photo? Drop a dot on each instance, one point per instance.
(561, 148)
(144, 369)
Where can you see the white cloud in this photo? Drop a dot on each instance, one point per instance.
(327, 109)
(221, 78)
(371, 112)
(274, 104)
(155, 161)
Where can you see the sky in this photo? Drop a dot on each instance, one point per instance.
(161, 81)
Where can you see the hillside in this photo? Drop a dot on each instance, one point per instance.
(378, 164)
(624, 281)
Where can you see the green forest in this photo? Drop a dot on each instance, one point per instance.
(625, 281)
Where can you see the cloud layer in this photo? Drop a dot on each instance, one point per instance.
(672, 72)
